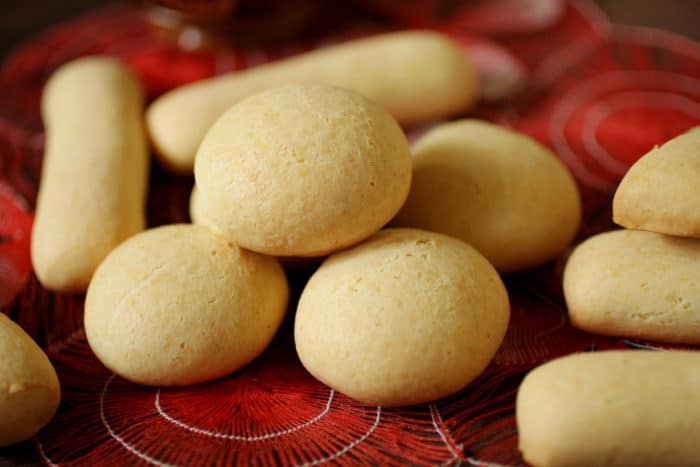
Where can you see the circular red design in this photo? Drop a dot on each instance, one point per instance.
(611, 127)
(600, 95)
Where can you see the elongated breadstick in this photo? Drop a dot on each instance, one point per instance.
(93, 184)
(416, 76)
(613, 409)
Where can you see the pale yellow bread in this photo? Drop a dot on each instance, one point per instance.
(404, 318)
(500, 191)
(416, 75)
(639, 284)
(303, 170)
(29, 388)
(615, 408)
(661, 191)
(93, 182)
(180, 305)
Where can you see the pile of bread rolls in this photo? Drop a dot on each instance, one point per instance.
(300, 159)
(624, 408)
(643, 283)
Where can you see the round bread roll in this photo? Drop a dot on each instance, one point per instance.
(660, 192)
(180, 305)
(406, 317)
(303, 170)
(29, 388)
(498, 190)
(637, 284)
(290, 263)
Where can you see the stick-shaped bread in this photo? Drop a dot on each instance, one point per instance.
(94, 177)
(613, 409)
(416, 76)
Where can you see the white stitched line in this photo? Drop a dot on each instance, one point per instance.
(118, 438)
(215, 434)
(42, 454)
(639, 345)
(615, 103)
(349, 446)
(436, 417)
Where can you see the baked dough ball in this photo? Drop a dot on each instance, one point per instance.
(617, 408)
(29, 389)
(639, 284)
(661, 191)
(290, 263)
(406, 317)
(303, 170)
(500, 191)
(179, 305)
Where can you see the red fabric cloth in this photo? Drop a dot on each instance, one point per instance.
(600, 95)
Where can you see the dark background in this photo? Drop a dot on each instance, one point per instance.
(19, 19)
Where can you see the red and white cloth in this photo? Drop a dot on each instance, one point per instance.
(600, 95)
